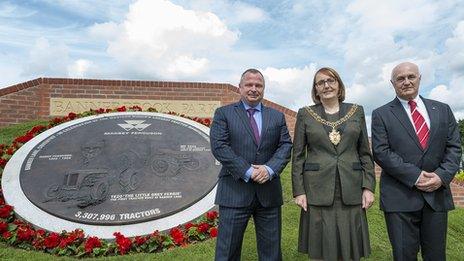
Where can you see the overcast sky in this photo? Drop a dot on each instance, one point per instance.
(215, 40)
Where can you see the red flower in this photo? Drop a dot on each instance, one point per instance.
(25, 138)
(100, 110)
(52, 241)
(91, 243)
(71, 238)
(37, 129)
(1, 152)
(56, 120)
(18, 222)
(213, 232)
(188, 226)
(40, 232)
(123, 108)
(72, 115)
(138, 240)
(136, 108)
(5, 211)
(2, 162)
(124, 244)
(207, 121)
(3, 226)
(177, 235)
(77, 233)
(211, 215)
(66, 241)
(10, 151)
(37, 243)
(2, 146)
(108, 110)
(25, 234)
(203, 227)
(6, 234)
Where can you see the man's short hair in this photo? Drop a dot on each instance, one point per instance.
(252, 71)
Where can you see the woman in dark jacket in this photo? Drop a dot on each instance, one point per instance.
(332, 173)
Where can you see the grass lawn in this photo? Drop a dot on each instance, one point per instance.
(381, 249)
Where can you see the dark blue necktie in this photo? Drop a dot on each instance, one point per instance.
(253, 124)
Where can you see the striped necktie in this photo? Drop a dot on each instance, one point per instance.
(422, 130)
(254, 125)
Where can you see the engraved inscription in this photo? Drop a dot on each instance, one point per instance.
(120, 169)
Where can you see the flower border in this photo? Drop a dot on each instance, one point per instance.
(18, 233)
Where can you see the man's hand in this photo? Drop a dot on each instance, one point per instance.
(422, 178)
(429, 181)
(260, 174)
(301, 201)
(367, 199)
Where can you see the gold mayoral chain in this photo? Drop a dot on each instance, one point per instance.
(334, 135)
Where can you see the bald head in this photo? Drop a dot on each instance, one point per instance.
(403, 66)
(405, 78)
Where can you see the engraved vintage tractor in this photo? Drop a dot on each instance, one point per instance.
(87, 187)
(170, 164)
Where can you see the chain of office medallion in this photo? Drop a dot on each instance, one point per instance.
(332, 124)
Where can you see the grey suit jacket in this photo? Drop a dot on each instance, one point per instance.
(316, 160)
(233, 144)
(397, 151)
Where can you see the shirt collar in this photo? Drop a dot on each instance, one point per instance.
(257, 107)
(418, 101)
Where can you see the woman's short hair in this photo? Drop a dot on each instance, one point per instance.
(332, 73)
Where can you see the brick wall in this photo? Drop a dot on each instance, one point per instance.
(31, 100)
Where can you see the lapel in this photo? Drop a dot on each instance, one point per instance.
(341, 128)
(398, 110)
(266, 119)
(434, 117)
(243, 115)
(343, 111)
(319, 109)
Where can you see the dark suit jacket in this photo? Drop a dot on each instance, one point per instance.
(398, 152)
(233, 144)
(316, 159)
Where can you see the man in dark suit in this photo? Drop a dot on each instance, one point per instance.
(416, 143)
(253, 145)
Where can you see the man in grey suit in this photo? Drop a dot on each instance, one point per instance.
(416, 143)
(253, 145)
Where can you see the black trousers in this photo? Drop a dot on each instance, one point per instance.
(424, 229)
(232, 225)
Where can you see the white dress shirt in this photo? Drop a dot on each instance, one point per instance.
(420, 107)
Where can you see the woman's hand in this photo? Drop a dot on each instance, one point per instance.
(301, 201)
(367, 199)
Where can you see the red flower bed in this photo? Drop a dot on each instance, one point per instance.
(18, 233)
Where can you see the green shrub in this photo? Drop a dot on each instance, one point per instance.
(460, 175)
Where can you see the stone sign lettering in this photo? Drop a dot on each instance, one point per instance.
(63, 106)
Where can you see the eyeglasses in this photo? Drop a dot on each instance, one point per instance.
(329, 81)
(402, 79)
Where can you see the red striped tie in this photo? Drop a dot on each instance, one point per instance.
(422, 130)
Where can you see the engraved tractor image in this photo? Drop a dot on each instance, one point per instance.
(91, 184)
(170, 164)
(87, 187)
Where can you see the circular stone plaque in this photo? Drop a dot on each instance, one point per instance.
(126, 172)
